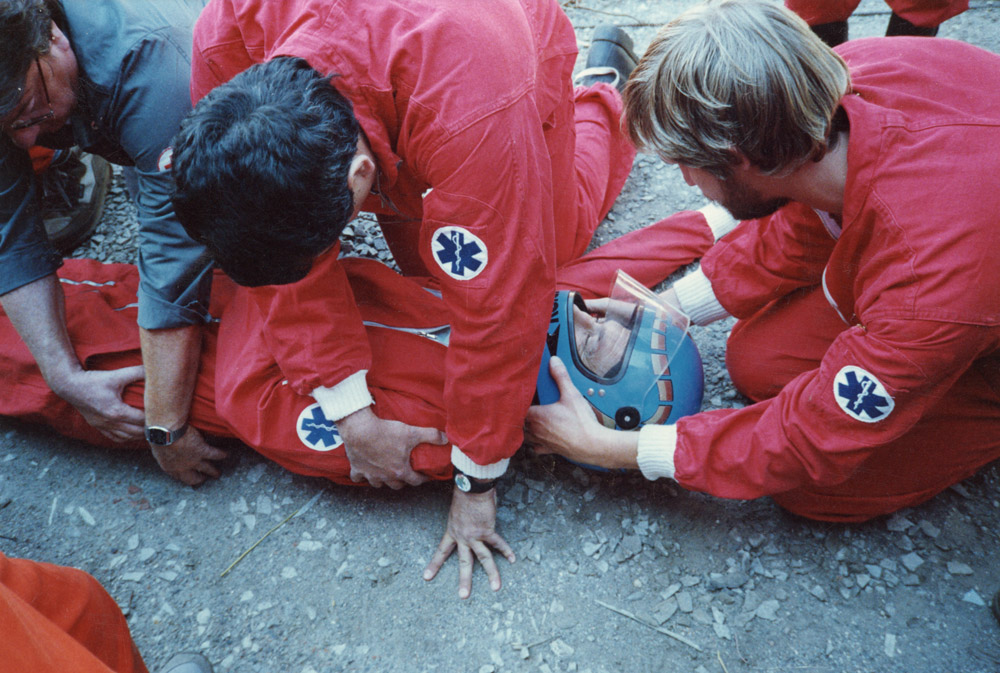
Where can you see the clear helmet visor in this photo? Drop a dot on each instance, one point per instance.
(633, 325)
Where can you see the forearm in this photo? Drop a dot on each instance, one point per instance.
(37, 311)
(170, 357)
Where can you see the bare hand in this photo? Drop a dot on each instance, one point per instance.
(97, 395)
(189, 459)
(379, 449)
(471, 527)
(570, 428)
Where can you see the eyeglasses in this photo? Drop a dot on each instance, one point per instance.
(20, 124)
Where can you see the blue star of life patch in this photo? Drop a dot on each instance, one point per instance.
(316, 431)
(861, 395)
(461, 254)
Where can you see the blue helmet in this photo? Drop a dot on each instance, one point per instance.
(650, 372)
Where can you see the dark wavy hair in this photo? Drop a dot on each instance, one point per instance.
(25, 30)
(260, 169)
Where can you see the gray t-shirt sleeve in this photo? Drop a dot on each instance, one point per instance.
(25, 252)
(175, 272)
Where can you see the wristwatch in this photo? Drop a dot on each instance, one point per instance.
(467, 484)
(161, 436)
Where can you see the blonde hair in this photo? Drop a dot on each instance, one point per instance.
(746, 75)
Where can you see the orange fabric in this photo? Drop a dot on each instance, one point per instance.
(55, 619)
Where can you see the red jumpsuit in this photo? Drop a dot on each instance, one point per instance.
(874, 346)
(56, 619)
(492, 170)
(925, 13)
(254, 402)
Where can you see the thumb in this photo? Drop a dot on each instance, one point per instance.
(431, 436)
(127, 375)
(561, 376)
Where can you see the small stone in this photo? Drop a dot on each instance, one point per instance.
(167, 575)
(146, 553)
(890, 645)
(591, 548)
(685, 602)
(86, 516)
(768, 610)
(132, 577)
(203, 616)
(929, 529)
(690, 580)
(560, 648)
(818, 592)
(958, 568)
(313, 545)
(862, 579)
(972, 597)
(133, 543)
(912, 561)
(288, 572)
(898, 523)
(874, 570)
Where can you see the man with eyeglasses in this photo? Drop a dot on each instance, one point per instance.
(113, 79)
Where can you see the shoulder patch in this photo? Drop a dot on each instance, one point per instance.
(861, 395)
(316, 431)
(460, 254)
(166, 160)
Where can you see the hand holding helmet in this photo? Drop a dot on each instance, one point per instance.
(631, 365)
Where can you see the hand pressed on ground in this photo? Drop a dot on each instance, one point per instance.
(471, 532)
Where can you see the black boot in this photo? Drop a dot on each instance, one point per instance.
(832, 33)
(610, 58)
(898, 26)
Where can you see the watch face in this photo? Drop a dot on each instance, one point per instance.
(462, 482)
(159, 436)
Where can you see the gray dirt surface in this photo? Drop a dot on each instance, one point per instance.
(614, 573)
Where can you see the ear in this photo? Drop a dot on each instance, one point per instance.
(360, 177)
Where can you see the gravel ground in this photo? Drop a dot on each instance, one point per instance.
(613, 574)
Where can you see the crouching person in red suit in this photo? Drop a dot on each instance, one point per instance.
(864, 274)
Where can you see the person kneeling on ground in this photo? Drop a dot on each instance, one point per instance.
(866, 287)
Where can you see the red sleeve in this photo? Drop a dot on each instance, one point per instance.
(491, 199)
(226, 57)
(762, 260)
(871, 387)
(313, 327)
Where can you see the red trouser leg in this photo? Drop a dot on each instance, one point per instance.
(55, 619)
(649, 255)
(818, 12)
(954, 439)
(602, 161)
(928, 13)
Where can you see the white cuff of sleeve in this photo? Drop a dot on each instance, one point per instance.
(465, 464)
(719, 220)
(697, 299)
(345, 398)
(657, 444)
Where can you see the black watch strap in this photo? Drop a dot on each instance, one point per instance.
(161, 436)
(468, 484)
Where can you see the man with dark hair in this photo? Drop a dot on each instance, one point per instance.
(485, 167)
(249, 131)
(865, 275)
(111, 78)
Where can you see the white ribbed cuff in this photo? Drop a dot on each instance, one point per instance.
(657, 444)
(697, 299)
(465, 464)
(719, 219)
(345, 398)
